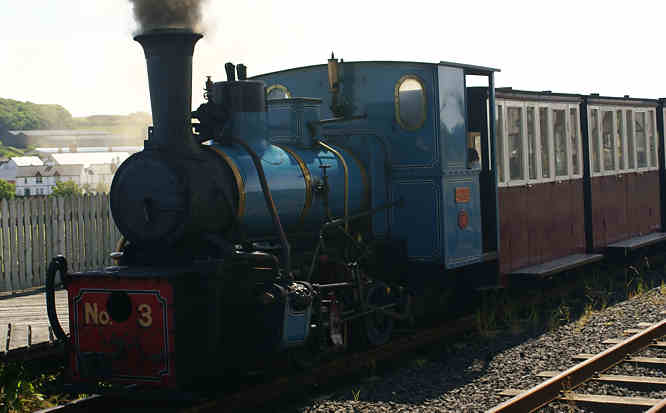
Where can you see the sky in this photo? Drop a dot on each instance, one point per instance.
(80, 53)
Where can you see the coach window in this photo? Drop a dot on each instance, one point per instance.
(560, 141)
(621, 147)
(594, 141)
(514, 117)
(641, 144)
(410, 102)
(652, 139)
(499, 131)
(631, 146)
(608, 140)
(575, 141)
(531, 143)
(544, 134)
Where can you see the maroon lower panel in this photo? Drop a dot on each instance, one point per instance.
(609, 209)
(539, 223)
(643, 196)
(624, 206)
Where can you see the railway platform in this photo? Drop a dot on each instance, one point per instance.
(23, 319)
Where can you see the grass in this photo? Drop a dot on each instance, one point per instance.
(596, 289)
(29, 386)
(585, 317)
(486, 321)
(420, 363)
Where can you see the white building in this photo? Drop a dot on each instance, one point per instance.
(92, 171)
(96, 168)
(10, 170)
(47, 151)
(87, 158)
(35, 180)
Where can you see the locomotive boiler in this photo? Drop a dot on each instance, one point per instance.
(237, 242)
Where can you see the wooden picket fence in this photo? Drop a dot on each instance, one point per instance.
(35, 229)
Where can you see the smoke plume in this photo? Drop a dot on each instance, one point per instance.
(153, 14)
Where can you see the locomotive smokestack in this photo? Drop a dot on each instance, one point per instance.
(169, 60)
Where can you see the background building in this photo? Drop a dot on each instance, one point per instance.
(92, 171)
(10, 169)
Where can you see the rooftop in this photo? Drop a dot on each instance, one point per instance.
(88, 158)
(130, 149)
(27, 161)
(58, 132)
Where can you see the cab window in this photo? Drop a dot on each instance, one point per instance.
(410, 102)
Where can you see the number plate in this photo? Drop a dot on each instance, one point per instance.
(138, 348)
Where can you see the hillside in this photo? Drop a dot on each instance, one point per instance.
(9, 151)
(16, 115)
(133, 126)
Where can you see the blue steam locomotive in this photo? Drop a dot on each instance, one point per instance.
(277, 221)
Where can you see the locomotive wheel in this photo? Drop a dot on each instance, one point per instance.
(377, 326)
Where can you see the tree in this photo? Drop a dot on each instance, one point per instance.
(15, 115)
(7, 189)
(102, 188)
(66, 188)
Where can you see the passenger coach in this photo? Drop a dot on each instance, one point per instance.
(577, 176)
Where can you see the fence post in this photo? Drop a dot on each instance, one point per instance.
(48, 230)
(20, 239)
(6, 258)
(76, 254)
(40, 244)
(60, 247)
(90, 234)
(107, 229)
(95, 231)
(30, 228)
(12, 245)
(82, 234)
(67, 213)
(101, 229)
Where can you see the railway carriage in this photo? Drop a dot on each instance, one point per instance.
(314, 208)
(624, 170)
(578, 177)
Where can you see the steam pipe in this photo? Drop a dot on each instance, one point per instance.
(346, 171)
(286, 249)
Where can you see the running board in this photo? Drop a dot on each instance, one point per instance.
(626, 246)
(559, 265)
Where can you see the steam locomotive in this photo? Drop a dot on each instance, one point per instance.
(279, 223)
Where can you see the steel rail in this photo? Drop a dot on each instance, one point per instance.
(551, 389)
(659, 407)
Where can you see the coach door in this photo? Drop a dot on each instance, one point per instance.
(480, 157)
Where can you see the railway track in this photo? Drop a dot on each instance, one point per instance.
(561, 386)
(287, 388)
(280, 388)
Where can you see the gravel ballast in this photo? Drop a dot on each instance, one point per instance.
(466, 376)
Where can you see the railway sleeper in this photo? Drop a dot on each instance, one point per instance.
(598, 401)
